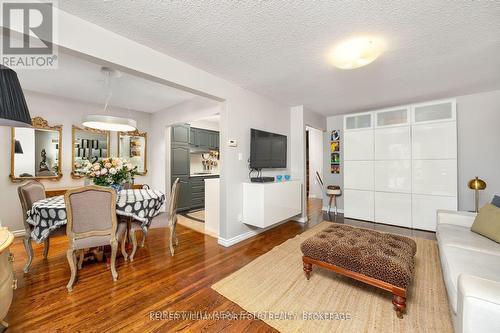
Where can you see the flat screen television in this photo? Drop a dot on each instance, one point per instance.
(267, 150)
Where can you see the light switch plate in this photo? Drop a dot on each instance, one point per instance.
(232, 143)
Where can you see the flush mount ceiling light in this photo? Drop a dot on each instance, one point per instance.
(106, 122)
(356, 52)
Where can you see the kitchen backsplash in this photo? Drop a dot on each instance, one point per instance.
(197, 164)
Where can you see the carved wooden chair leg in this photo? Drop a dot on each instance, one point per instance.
(29, 252)
(70, 254)
(114, 249)
(399, 303)
(46, 246)
(81, 255)
(3, 325)
(171, 240)
(133, 240)
(123, 243)
(144, 234)
(307, 268)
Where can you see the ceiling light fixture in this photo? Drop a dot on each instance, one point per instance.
(356, 52)
(106, 122)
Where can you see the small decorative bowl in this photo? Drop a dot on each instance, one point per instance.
(279, 177)
(287, 177)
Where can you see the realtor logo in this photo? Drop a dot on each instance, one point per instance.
(28, 35)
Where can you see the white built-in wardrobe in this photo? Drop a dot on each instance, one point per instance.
(400, 164)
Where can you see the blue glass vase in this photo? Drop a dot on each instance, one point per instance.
(117, 187)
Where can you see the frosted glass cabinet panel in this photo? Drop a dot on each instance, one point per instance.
(393, 208)
(392, 117)
(393, 143)
(358, 145)
(358, 175)
(424, 210)
(359, 204)
(358, 121)
(435, 141)
(435, 177)
(393, 176)
(434, 111)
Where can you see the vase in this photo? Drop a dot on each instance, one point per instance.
(117, 187)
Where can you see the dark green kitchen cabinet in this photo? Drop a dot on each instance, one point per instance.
(180, 134)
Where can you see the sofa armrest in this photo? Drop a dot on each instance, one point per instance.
(478, 308)
(463, 219)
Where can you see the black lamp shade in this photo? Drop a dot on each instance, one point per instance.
(13, 108)
(17, 147)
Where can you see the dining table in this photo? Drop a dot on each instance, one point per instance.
(49, 214)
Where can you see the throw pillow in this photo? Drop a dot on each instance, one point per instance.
(496, 201)
(487, 222)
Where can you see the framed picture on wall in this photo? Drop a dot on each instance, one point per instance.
(335, 151)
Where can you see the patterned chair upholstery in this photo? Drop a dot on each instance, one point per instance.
(92, 222)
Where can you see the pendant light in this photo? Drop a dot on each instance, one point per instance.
(107, 122)
(13, 108)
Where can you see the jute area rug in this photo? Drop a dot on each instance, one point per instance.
(273, 287)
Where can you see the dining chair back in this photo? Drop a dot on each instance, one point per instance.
(91, 222)
(29, 193)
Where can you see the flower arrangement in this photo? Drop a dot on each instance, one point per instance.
(112, 171)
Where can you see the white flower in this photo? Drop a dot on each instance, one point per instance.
(129, 166)
(112, 171)
(119, 167)
(104, 171)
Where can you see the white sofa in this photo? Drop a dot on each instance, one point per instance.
(471, 272)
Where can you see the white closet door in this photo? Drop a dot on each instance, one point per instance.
(358, 145)
(435, 177)
(393, 176)
(393, 208)
(359, 204)
(358, 175)
(424, 210)
(393, 143)
(435, 140)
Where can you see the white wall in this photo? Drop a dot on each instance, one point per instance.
(478, 130)
(315, 162)
(56, 111)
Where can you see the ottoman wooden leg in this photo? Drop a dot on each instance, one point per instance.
(307, 268)
(399, 305)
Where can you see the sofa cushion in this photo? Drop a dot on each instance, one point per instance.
(458, 236)
(456, 261)
(487, 222)
(496, 201)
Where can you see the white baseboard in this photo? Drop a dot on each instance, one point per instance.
(301, 219)
(18, 233)
(227, 242)
(325, 209)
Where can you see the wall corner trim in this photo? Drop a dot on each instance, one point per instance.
(227, 242)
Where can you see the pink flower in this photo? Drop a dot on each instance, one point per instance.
(108, 165)
(104, 171)
(96, 167)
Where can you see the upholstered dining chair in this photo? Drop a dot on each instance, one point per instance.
(169, 222)
(92, 222)
(29, 193)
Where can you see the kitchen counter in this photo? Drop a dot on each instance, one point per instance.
(205, 175)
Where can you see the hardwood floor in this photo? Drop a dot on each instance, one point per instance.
(155, 281)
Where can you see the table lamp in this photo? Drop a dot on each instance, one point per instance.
(477, 185)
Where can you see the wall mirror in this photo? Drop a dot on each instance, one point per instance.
(133, 147)
(36, 151)
(88, 145)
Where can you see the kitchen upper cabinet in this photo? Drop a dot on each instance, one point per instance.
(180, 134)
(201, 138)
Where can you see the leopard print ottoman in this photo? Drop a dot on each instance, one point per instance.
(380, 259)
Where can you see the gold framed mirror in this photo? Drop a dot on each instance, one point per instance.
(88, 145)
(36, 152)
(133, 146)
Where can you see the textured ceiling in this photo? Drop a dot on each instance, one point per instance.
(436, 48)
(82, 80)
